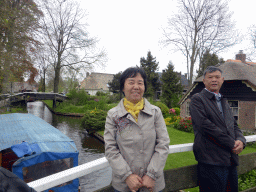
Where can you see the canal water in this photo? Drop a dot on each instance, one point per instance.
(89, 148)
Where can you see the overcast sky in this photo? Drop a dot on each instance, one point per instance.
(129, 29)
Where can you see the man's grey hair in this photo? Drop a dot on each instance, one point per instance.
(211, 69)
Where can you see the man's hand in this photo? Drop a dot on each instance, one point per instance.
(238, 148)
(134, 182)
(148, 182)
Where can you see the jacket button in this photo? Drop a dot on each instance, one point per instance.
(141, 151)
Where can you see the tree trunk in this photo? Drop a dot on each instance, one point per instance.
(57, 76)
(56, 80)
(43, 88)
(8, 57)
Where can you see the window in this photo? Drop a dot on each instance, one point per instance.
(46, 168)
(234, 107)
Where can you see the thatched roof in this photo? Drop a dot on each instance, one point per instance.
(236, 71)
(97, 81)
(232, 71)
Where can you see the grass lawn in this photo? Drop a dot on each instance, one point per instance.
(3, 110)
(179, 159)
(101, 133)
(67, 107)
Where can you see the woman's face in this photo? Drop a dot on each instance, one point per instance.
(134, 88)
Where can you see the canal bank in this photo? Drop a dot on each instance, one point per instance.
(95, 135)
(89, 147)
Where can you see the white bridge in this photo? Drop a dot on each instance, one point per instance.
(81, 170)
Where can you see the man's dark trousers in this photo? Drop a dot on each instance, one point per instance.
(213, 178)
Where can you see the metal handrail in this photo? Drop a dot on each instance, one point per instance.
(84, 169)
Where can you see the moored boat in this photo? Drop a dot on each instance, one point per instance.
(32, 149)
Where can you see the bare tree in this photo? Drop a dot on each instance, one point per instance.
(251, 48)
(200, 25)
(67, 39)
(42, 61)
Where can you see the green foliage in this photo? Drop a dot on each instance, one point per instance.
(184, 124)
(163, 107)
(18, 20)
(114, 98)
(3, 110)
(101, 93)
(177, 111)
(171, 87)
(114, 85)
(94, 120)
(81, 102)
(150, 66)
(208, 59)
(195, 189)
(78, 97)
(247, 180)
(177, 160)
(172, 120)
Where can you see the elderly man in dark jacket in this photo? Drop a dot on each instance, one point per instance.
(218, 140)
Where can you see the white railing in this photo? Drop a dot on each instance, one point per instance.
(81, 170)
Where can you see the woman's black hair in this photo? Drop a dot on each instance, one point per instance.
(132, 72)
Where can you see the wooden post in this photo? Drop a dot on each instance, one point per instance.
(54, 101)
(26, 99)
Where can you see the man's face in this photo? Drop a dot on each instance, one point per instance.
(213, 81)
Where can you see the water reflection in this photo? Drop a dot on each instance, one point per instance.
(89, 147)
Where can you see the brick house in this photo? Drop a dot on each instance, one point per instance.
(95, 82)
(239, 88)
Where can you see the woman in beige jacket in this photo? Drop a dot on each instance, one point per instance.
(136, 138)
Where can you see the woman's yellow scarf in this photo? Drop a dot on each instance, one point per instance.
(134, 109)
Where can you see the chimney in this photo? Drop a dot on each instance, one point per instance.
(87, 74)
(241, 56)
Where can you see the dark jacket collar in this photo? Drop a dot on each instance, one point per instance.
(210, 95)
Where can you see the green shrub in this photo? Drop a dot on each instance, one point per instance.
(172, 120)
(78, 98)
(177, 111)
(163, 107)
(184, 124)
(247, 180)
(115, 98)
(101, 93)
(94, 120)
(174, 112)
(81, 102)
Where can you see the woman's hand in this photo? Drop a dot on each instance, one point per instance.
(134, 182)
(148, 182)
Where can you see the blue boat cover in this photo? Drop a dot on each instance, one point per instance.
(36, 141)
